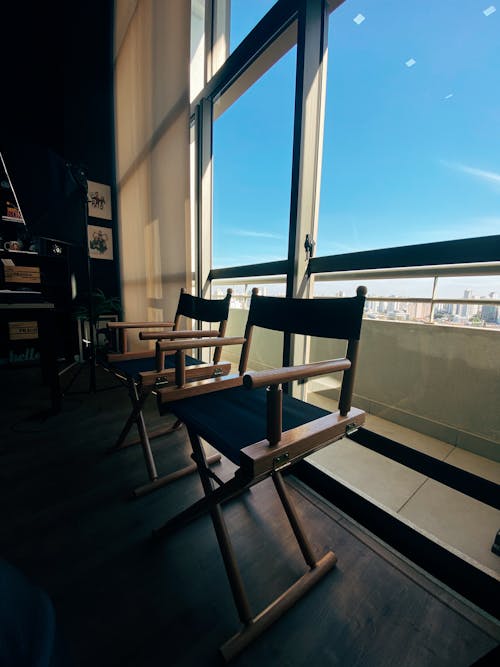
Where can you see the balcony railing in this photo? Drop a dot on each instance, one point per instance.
(435, 308)
(440, 380)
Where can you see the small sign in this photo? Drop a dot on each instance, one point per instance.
(23, 330)
(22, 274)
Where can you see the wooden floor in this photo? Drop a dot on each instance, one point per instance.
(122, 599)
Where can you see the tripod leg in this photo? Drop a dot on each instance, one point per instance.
(73, 378)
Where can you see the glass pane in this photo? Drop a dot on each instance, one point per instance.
(481, 307)
(469, 287)
(411, 146)
(266, 350)
(242, 293)
(387, 299)
(244, 17)
(252, 158)
(388, 287)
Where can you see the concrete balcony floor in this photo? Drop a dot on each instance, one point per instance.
(457, 521)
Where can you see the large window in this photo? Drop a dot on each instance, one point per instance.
(411, 150)
(252, 158)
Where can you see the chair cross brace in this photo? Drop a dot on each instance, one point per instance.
(253, 625)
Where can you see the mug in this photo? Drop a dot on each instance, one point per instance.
(13, 245)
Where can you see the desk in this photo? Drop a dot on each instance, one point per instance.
(44, 313)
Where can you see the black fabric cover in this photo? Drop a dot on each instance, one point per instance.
(132, 367)
(206, 310)
(324, 317)
(231, 419)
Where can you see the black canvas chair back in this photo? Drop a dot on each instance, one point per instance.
(203, 310)
(264, 431)
(322, 317)
(142, 372)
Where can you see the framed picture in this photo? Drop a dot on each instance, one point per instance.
(100, 242)
(99, 203)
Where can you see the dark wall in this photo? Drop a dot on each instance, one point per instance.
(56, 117)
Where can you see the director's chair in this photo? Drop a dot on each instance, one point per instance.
(250, 420)
(144, 372)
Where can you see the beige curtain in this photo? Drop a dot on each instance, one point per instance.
(152, 52)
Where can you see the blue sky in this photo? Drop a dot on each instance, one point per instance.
(412, 141)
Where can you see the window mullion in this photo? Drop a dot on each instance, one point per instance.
(307, 153)
(204, 196)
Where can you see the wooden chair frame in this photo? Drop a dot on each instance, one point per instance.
(271, 456)
(149, 381)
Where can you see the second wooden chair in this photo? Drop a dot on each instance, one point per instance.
(144, 372)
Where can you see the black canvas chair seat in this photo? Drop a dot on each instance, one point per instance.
(142, 372)
(263, 430)
(203, 413)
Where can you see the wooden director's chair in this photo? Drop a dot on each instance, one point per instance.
(143, 372)
(250, 420)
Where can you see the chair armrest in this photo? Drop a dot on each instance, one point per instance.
(273, 379)
(174, 346)
(139, 325)
(180, 346)
(259, 459)
(256, 379)
(171, 335)
(122, 328)
(166, 377)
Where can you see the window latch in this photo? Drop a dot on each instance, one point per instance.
(309, 244)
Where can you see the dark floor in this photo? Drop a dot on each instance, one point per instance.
(122, 599)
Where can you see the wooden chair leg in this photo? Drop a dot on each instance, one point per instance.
(146, 447)
(144, 439)
(120, 442)
(233, 573)
(232, 488)
(137, 416)
(157, 432)
(253, 626)
(317, 570)
(276, 609)
(294, 520)
(158, 482)
(152, 434)
(137, 404)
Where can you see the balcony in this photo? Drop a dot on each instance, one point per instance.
(430, 386)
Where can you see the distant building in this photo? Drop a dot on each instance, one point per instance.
(491, 313)
(465, 309)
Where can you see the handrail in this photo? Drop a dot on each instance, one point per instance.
(439, 270)
(251, 280)
(462, 251)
